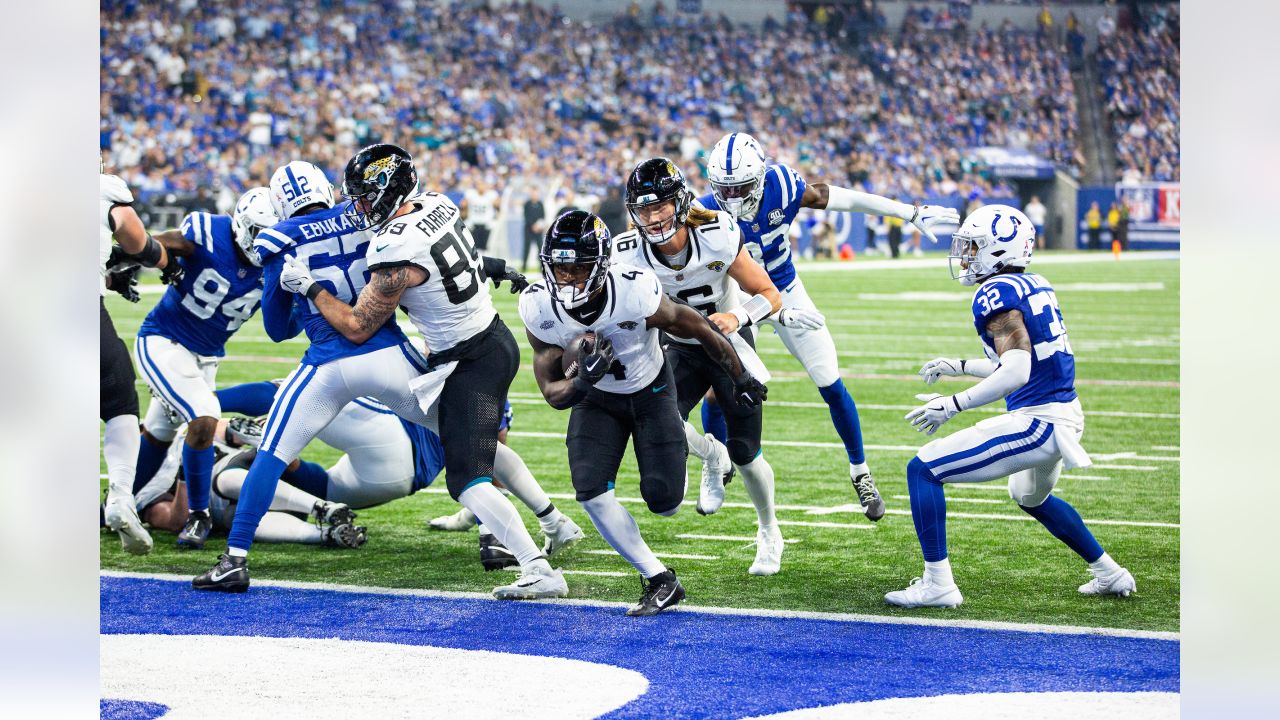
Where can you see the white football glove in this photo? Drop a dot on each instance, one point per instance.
(937, 409)
(927, 216)
(801, 319)
(296, 276)
(938, 367)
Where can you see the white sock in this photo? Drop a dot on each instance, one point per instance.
(510, 470)
(483, 530)
(858, 469)
(699, 445)
(278, 527)
(1104, 566)
(287, 498)
(939, 573)
(619, 528)
(757, 478)
(237, 552)
(498, 515)
(120, 445)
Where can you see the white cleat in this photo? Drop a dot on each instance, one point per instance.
(717, 470)
(534, 584)
(460, 521)
(768, 552)
(923, 593)
(1118, 583)
(562, 537)
(122, 517)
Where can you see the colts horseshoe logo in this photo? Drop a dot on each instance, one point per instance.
(1012, 234)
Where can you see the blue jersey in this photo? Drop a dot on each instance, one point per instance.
(765, 235)
(217, 293)
(334, 250)
(428, 453)
(1053, 366)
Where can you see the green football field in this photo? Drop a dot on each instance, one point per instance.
(1124, 329)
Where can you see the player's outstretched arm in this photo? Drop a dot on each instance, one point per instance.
(765, 299)
(560, 392)
(136, 245)
(175, 244)
(377, 301)
(833, 197)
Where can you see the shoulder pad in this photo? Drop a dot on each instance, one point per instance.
(114, 190)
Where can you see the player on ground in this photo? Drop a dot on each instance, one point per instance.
(619, 384)
(698, 257)
(765, 199)
(1030, 365)
(422, 258)
(118, 398)
(182, 339)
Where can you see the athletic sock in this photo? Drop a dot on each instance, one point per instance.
(197, 469)
(1104, 566)
(150, 457)
(856, 469)
(938, 572)
(252, 399)
(310, 478)
(120, 450)
(619, 529)
(757, 478)
(255, 497)
(844, 415)
(499, 516)
(286, 498)
(483, 530)
(713, 420)
(928, 510)
(699, 445)
(279, 527)
(510, 470)
(1062, 520)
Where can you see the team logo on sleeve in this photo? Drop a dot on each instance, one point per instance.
(716, 266)
(775, 216)
(628, 324)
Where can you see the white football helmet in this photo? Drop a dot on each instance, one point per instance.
(736, 168)
(991, 239)
(253, 213)
(297, 185)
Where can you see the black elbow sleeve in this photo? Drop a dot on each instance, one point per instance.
(149, 255)
(493, 267)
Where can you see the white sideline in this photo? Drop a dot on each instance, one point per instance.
(745, 612)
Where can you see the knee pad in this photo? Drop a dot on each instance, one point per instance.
(662, 501)
(1024, 491)
(743, 450)
(118, 399)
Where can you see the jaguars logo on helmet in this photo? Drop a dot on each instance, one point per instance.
(377, 181)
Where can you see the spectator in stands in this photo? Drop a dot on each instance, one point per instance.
(1093, 224)
(1035, 212)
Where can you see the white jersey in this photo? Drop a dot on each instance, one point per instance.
(453, 304)
(112, 192)
(634, 295)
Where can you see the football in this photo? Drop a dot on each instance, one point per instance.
(573, 353)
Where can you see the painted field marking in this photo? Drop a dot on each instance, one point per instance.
(1085, 477)
(1166, 448)
(950, 499)
(1142, 468)
(850, 508)
(1133, 456)
(596, 573)
(843, 526)
(673, 556)
(747, 612)
(728, 538)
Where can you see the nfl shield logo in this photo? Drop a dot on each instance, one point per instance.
(775, 216)
(547, 324)
(755, 227)
(679, 277)
(628, 325)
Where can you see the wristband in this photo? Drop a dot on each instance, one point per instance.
(313, 291)
(755, 309)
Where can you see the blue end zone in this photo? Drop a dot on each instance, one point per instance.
(698, 664)
(109, 709)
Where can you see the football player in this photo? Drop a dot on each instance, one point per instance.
(422, 258)
(1029, 364)
(182, 339)
(765, 199)
(118, 398)
(699, 259)
(619, 385)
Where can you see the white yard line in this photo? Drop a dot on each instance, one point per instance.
(810, 523)
(536, 399)
(745, 612)
(1167, 448)
(953, 498)
(597, 573)
(674, 556)
(1085, 477)
(727, 538)
(857, 509)
(940, 263)
(1140, 468)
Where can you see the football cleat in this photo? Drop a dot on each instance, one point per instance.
(460, 521)
(344, 535)
(244, 431)
(768, 552)
(231, 574)
(494, 555)
(661, 592)
(121, 516)
(717, 471)
(868, 496)
(534, 583)
(196, 531)
(332, 513)
(1118, 583)
(563, 536)
(923, 593)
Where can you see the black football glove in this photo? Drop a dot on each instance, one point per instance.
(172, 273)
(125, 282)
(518, 281)
(748, 391)
(119, 261)
(594, 365)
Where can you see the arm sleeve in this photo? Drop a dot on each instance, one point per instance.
(1012, 373)
(278, 317)
(978, 367)
(845, 200)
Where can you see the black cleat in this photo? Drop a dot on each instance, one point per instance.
(494, 555)
(661, 592)
(332, 513)
(231, 574)
(869, 497)
(196, 531)
(345, 535)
